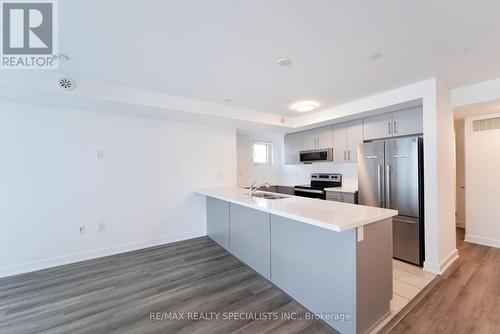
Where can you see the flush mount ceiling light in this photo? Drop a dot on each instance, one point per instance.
(375, 56)
(305, 106)
(284, 62)
(227, 100)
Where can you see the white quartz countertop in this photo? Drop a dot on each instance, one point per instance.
(336, 216)
(343, 189)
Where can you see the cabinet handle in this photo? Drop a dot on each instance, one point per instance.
(389, 127)
(345, 155)
(349, 155)
(395, 127)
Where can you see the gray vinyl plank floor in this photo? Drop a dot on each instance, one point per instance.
(123, 294)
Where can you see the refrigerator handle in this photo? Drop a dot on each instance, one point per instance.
(379, 181)
(388, 186)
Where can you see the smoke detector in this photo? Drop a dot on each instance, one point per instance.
(66, 83)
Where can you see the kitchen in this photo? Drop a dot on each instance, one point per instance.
(284, 167)
(360, 144)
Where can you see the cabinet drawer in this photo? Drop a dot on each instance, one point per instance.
(334, 196)
(341, 197)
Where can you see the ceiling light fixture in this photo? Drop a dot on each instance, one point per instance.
(305, 106)
(227, 99)
(284, 62)
(375, 56)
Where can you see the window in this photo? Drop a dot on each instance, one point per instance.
(262, 153)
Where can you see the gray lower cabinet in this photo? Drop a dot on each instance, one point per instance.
(218, 221)
(339, 196)
(346, 281)
(317, 268)
(331, 273)
(250, 236)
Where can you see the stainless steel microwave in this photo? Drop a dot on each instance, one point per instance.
(322, 155)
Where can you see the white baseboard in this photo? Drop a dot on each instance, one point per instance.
(439, 269)
(78, 257)
(483, 241)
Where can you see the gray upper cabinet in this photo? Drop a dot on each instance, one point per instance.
(399, 123)
(292, 146)
(346, 138)
(318, 138)
(354, 135)
(379, 126)
(339, 142)
(408, 122)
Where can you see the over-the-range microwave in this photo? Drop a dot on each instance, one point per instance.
(321, 155)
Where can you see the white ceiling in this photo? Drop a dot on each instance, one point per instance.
(211, 50)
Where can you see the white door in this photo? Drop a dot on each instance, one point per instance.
(460, 176)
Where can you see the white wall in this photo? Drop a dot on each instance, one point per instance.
(482, 184)
(51, 183)
(247, 172)
(280, 174)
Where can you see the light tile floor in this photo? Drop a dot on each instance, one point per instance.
(408, 281)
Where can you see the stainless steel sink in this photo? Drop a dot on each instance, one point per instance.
(268, 196)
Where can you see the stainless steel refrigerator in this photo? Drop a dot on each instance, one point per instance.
(390, 175)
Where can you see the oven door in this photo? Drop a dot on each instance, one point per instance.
(311, 193)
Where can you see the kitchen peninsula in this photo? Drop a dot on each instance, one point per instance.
(334, 258)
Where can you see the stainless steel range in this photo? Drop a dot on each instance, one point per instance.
(319, 181)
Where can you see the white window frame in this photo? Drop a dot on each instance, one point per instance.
(269, 151)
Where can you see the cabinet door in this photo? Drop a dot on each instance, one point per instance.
(324, 137)
(218, 221)
(408, 122)
(354, 131)
(318, 138)
(334, 196)
(339, 143)
(292, 146)
(310, 139)
(250, 235)
(348, 198)
(376, 127)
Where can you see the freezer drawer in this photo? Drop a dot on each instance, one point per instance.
(406, 239)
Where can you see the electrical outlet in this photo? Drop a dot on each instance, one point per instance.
(99, 155)
(100, 227)
(81, 229)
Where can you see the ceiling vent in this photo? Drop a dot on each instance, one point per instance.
(486, 124)
(66, 83)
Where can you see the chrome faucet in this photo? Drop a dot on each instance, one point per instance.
(253, 189)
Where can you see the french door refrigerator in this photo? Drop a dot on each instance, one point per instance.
(390, 175)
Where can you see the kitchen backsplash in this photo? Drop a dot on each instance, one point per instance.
(300, 174)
